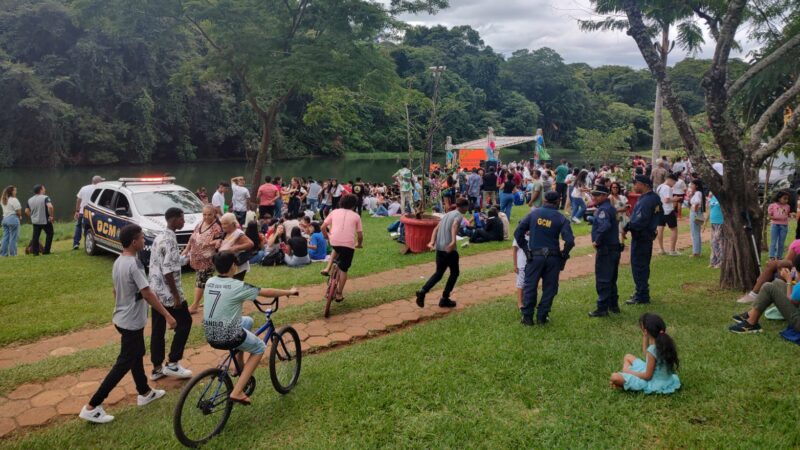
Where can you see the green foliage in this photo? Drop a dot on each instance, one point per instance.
(602, 147)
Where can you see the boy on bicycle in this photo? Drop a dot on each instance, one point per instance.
(224, 325)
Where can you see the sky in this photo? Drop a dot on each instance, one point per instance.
(509, 25)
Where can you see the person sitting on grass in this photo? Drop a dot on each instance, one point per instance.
(317, 245)
(655, 375)
(784, 293)
(225, 327)
(491, 231)
(771, 270)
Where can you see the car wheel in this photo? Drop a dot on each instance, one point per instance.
(90, 244)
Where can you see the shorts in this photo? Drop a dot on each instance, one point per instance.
(201, 276)
(521, 277)
(252, 343)
(344, 257)
(669, 220)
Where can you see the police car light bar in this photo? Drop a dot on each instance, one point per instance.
(148, 180)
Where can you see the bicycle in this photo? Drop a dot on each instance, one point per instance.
(207, 395)
(333, 287)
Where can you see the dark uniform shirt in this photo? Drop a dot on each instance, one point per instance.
(605, 228)
(646, 216)
(545, 226)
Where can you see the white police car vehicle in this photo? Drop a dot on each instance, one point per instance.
(142, 201)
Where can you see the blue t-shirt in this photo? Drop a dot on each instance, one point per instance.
(321, 251)
(715, 213)
(796, 293)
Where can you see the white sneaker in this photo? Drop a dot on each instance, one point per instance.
(176, 371)
(747, 298)
(96, 415)
(154, 394)
(157, 374)
(675, 253)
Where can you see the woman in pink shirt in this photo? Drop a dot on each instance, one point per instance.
(779, 216)
(342, 227)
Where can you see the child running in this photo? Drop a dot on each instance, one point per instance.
(655, 375)
(224, 326)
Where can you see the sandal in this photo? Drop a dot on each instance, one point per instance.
(241, 401)
(324, 273)
(339, 299)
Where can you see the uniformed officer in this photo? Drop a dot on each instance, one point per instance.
(545, 259)
(645, 218)
(605, 238)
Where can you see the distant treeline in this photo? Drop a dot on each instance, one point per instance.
(76, 90)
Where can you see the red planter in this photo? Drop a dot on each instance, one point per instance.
(418, 232)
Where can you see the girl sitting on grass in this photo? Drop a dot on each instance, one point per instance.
(655, 375)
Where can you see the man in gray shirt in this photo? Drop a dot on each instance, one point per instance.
(40, 210)
(131, 291)
(444, 242)
(474, 181)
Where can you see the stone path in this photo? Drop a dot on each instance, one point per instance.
(36, 404)
(87, 339)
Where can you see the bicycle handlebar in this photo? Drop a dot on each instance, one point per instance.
(275, 301)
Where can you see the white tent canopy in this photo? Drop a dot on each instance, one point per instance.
(500, 142)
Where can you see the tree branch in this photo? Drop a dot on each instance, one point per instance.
(730, 23)
(779, 140)
(711, 21)
(764, 63)
(203, 33)
(777, 106)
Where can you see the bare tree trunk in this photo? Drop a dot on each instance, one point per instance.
(657, 126)
(739, 260)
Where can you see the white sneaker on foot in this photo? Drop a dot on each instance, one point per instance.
(747, 298)
(176, 371)
(154, 394)
(96, 415)
(157, 374)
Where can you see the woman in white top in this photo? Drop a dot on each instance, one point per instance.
(235, 242)
(620, 203)
(12, 212)
(696, 217)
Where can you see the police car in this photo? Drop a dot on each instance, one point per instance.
(142, 201)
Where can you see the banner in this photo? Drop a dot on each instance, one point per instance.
(471, 158)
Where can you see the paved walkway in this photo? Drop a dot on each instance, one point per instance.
(87, 339)
(36, 404)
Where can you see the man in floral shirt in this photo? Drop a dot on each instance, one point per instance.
(165, 280)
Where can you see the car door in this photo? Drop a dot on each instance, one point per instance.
(103, 222)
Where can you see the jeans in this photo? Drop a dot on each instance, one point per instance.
(240, 216)
(76, 238)
(184, 325)
(131, 351)
(278, 207)
(10, 236)
(777, 240)
(37, 232)
(313, 204)
(506, 203)
(697, 243)
(444, 261)
(578, 208)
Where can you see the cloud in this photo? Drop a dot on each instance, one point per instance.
(509, 25)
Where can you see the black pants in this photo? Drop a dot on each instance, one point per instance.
(131, 352)
(240, 216)
(561, 188)
(360, 205)
(641, 253)
(606, 271)
(37, 231)
(157, 345)
(444, 261)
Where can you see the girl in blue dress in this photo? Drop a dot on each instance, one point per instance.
(656, 374)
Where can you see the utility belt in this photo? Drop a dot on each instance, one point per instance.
(644, 235)
(606, 249)
(545, 252)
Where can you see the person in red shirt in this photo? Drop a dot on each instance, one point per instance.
(267, 195)
(348, 187)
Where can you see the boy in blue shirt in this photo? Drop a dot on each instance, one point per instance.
(224, 326)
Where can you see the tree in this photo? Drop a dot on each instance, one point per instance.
(743, 144)
(660, 17)
(599, 147)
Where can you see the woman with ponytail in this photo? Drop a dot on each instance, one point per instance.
(656, 374)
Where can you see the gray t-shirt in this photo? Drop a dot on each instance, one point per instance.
(444, 235)
(313, 191)
(38, 206)
(130, 312)
(222, 310)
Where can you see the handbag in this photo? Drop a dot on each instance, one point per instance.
(699, 219)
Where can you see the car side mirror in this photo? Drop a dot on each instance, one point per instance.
(122, 212)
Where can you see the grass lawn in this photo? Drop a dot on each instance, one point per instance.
(69, 290)
(479, 379)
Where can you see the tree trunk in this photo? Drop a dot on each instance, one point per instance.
(264, 155)
(657, 126)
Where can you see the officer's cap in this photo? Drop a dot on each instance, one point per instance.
(643, 179)
(600, 190)
(552, 197)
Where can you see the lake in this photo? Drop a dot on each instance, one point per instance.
(63, 183)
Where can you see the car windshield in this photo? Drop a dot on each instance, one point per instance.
(157, 203)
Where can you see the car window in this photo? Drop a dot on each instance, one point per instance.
(96, 194)
(157, 203)
(105, 199)
(122, 202)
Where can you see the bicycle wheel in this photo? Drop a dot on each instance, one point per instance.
(284, 359)
(203, 407)
(333, 285)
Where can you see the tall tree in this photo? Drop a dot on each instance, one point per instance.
(743, 144)
(659, 16)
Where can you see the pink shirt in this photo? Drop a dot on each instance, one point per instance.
(778, 213)
(343, 225)
(795, 246)
(267, 194)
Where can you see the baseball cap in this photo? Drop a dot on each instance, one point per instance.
(552, 197)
